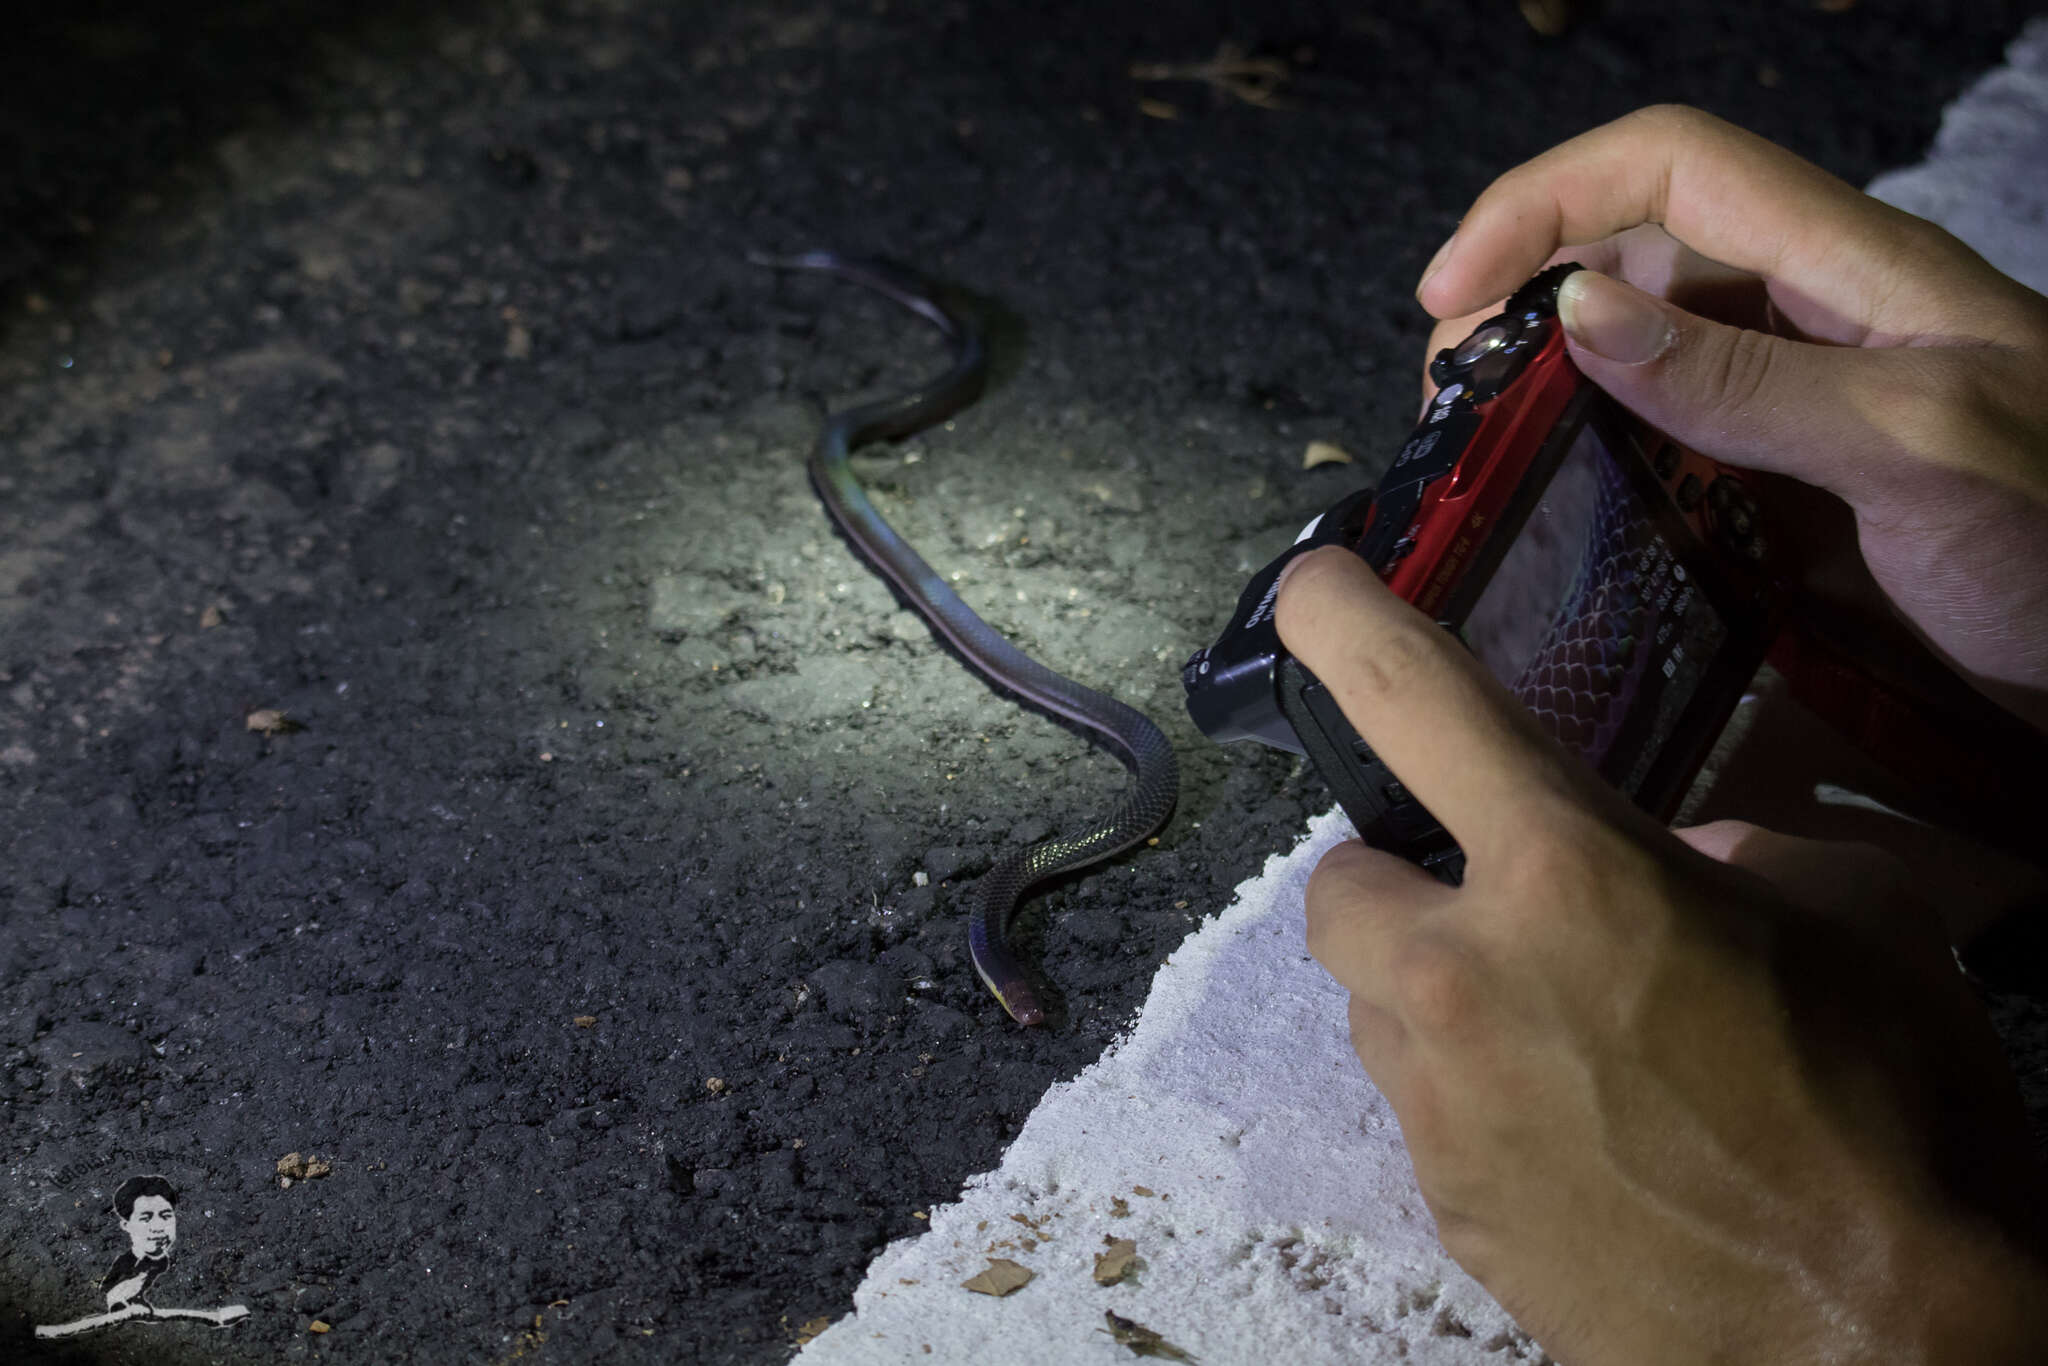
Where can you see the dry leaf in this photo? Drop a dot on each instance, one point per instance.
(812, 1327)
(1549, 17)
(211, 617)
(1110, 1266)
(584, 1021)
(1255, 80)
(317, 1326)
(1158, 109)
(1145, 1191)
(1142, 1341)
(1003, 1277)
(1119, 1208)
(301, 1167)
(271, 721)
(1324, 453)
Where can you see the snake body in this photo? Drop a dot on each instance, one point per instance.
(1151, 796)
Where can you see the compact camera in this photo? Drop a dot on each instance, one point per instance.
(1614, 581)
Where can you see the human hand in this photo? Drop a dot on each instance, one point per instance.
(1771, 316)
(1725, 1102)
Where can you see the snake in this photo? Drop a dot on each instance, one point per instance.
(1150, 798)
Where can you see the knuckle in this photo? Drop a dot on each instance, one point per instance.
(1364, 1022)
(1313, 584)
(1467, 1238)
(1323, 920)
(1918, 241)
(1331, 901)
(1910, 247)
(1399, 662)
(1667, 128)
(1339, 870)
(1736, 374)
(1437, 985)
(1672, 121)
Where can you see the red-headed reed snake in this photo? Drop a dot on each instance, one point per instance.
(1151, 797)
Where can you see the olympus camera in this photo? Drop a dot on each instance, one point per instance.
(1612, 580)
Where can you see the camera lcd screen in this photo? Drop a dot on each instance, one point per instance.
(1593, 618)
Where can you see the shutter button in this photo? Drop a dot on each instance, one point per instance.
(1484, 342)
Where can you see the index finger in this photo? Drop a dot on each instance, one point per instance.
(1457, 740)
(1727, 194)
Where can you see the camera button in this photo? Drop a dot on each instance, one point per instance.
(1480, 344)
(1727, 494)
(1665, 462)
(1735, 512)
(1690, 491)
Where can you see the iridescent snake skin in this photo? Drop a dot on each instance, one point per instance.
(1150, 799)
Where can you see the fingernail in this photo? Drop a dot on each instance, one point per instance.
(1436, 262)
(1611, 319)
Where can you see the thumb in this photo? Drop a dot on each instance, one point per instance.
(1744, 397)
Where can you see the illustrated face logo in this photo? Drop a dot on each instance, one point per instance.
(152, 1226)
(146, 1210)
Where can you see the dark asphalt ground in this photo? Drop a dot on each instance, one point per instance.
(601, 924)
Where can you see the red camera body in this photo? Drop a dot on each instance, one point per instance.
(1610, 578)
(1621, 587)
(1458, 513)
(1490, 482)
